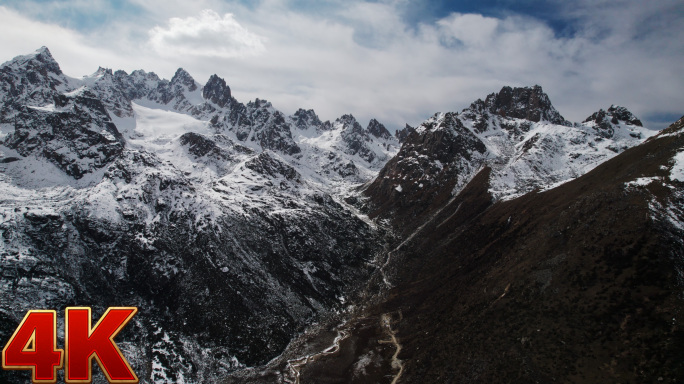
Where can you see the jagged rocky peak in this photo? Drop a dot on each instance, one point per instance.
(348, 121)
(530, 103)
(614, 115)
(357, 140)
(378, 130)
(32, 78)
(304, 119)
(352, 132)
(110, 90)
(40, 60)
(120, 74)
(606, 122)
(182, 92)
(139, 84)
(217, 91)
(403, 134)
(182, 77)
(260, 103)
(101, 72)
(141, 74)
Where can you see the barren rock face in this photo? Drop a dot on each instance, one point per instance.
(217, 91)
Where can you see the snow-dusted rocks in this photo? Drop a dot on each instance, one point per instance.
(378, 130)
(223, 221)
(103, 84)
(216, 218)
(31, 80)
(270, 129)
(307, 119)
(55, 118)
(76, 134)
(217, 91)
(355, 137)
(606, 122)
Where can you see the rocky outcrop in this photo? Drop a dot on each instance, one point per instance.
(30, 80)
(529, 103)
(440, 153)
(305, 119)
(378, 130)
(404, 133)
(217, 91)
(605, 122)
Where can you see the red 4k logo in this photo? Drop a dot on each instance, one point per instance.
(33, 346)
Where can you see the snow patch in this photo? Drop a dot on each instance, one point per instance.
(677, 170)
(642, 181)
(45, 108)
(76, 92)
(102, 203)
(5, 129)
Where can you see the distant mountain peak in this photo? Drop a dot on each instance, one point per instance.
(622, 113)
(33, 79)
(260, 103)
(403, 134)
(530, 103)
(41, 58)
(347, 118)
(184, 78)
(306, 118)
(102, 72)
(44, 54)
(378, 130)
(217, 91)
(605, 121)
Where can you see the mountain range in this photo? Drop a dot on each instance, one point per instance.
(499, 243)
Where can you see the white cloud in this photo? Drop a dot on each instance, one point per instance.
(472, 31)
(208, 35)
(361, 57)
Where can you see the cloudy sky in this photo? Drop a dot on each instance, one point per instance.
(397, 60)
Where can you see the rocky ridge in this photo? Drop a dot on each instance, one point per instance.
(517, 133)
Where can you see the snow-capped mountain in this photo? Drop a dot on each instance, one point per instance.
(232, 226)
(517, 132)
(220, 220)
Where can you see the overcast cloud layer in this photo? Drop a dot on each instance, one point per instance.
(368, 59)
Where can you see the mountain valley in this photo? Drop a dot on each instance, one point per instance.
(501, 243)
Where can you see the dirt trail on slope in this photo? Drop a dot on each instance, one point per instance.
(386, 320)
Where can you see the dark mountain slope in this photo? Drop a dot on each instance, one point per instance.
(517, 133)
(583, 283)
(576, 284)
